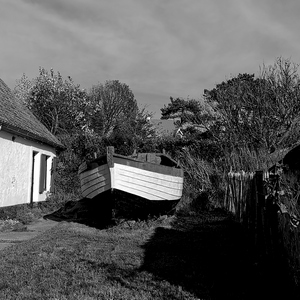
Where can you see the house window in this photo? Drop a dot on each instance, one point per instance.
(43, 173)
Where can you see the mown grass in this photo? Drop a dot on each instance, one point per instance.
(202, 256)
(73, 261)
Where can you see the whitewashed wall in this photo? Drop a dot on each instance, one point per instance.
(16, 159)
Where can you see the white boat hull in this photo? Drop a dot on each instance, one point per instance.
(146, 180)
(147, 184)
(96, 181)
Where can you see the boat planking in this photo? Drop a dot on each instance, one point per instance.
(152, 176)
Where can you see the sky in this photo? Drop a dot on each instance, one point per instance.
(159, 48)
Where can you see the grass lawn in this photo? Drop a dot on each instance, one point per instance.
(188, 257)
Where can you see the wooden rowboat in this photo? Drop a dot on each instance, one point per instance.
(152, 176)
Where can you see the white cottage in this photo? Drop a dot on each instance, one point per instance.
(27, 153)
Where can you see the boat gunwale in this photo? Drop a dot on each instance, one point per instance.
(102, 160)
(177, 166)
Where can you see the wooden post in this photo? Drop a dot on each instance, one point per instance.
(260, 211)
(110, 156)
(108, 207)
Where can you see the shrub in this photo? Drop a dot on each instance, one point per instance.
(22, 213)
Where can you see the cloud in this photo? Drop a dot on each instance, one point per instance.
(159, 48)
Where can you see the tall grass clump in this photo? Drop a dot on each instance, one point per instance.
(250, 160)
(202, 182)
(205, 171)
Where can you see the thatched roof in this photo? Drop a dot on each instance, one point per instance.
(17, 119)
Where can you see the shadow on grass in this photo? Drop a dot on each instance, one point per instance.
(210, 257)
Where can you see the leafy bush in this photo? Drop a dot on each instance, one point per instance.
(22, 213)
(80, 147)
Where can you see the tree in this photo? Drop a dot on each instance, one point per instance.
(191, 115)
(282, 110)
(59, 104)
(113, 105)
(23, 88)
(257, 112)
(115, 116)
(232, 107)
(184, 110)
(62, 107)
